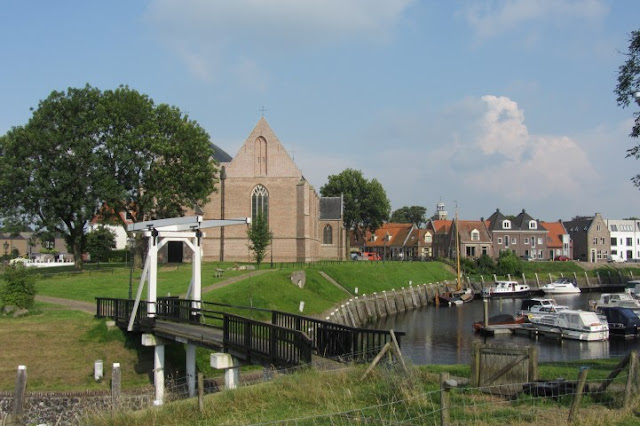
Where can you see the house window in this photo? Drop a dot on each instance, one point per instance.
(506, 241)
(526, 240)
(629, 241)
(601, 240)
(533, 224)
(484, 250)
(514, 240)
(260, 202)
(595, 241)
(506, 224)
(533, 242)
(327, 235)
(499, 240)
(475, 235)
(597, 227)
(428, 238)
(539, 241)
(614, 241)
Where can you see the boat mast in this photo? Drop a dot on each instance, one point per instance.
(459, 285)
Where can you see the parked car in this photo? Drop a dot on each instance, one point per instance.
(527, 258)
(561, 258)
(369, 255)
(356, 256)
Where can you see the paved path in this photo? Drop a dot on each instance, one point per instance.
(71, 304)
(232, 280)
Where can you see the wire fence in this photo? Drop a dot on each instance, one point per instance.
(410, 401)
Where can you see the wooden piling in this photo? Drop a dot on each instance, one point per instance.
(116, 386)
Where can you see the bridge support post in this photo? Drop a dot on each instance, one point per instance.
(191, 369)
(158, 365)
(224, 361)
(158, 374)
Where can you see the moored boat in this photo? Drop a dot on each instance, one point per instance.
(573, 324)
(616, 299)
(506, 289)
(561, 286)
(500, 319)
(537, 306)
(623, 322)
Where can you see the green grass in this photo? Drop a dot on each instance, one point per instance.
(371, 277)
(386, 395)
(59, 347)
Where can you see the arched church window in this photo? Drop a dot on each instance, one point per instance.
(327, 235)
(260, 202)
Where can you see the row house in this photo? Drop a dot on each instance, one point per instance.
(591, 238)
(524, 236)
(625, 239)
(392, 241)
(558, 240)
(473, 239)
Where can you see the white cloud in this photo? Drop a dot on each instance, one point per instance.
(201, 30)
(492, 18)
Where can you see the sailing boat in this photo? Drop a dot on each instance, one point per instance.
(460, 295)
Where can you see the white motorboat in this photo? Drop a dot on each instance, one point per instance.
(506, 289)
(625, 300)
(573, 324)
(538, 306)
(561, 286)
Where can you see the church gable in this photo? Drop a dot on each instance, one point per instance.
(262, 155)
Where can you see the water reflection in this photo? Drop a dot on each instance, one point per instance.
(444, 335)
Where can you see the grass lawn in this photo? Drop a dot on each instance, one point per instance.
(59, 348)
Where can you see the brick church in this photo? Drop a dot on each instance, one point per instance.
(263, 178)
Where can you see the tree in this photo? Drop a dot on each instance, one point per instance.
(85, 152)
(100, 242)
(414, 214)
(508, 263)
(260, 237)
(628, 86)
(366, 206)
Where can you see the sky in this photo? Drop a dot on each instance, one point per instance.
(482, 105)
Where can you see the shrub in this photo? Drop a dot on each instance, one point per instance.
(19, 287)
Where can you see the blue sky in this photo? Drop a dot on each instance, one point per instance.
(491, 104)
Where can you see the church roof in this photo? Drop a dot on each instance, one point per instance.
(219, 154)
(330, 208)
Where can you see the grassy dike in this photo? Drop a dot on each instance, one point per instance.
(59, 346)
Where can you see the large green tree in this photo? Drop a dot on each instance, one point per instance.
(85, 152)
(628, 90)
(366, 206)
(414, 214)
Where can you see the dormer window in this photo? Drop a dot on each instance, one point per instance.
(427, 237)
(475, 235)
(533, 224)
(506, 224)
(374, 237)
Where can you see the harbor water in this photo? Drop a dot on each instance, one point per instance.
(444, 334)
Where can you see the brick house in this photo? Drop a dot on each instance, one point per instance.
(591, 238)
(473, 239)
(524, 236)
(262, 177)
(437, 231)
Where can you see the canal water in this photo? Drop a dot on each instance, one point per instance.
(444, 335)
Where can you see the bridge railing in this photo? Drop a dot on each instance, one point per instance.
(120, 310)
(337, 340)
(267, 342)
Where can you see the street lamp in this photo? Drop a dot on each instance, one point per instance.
(131, 241)
(386, 239)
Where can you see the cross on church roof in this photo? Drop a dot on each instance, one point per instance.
(262, 110)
